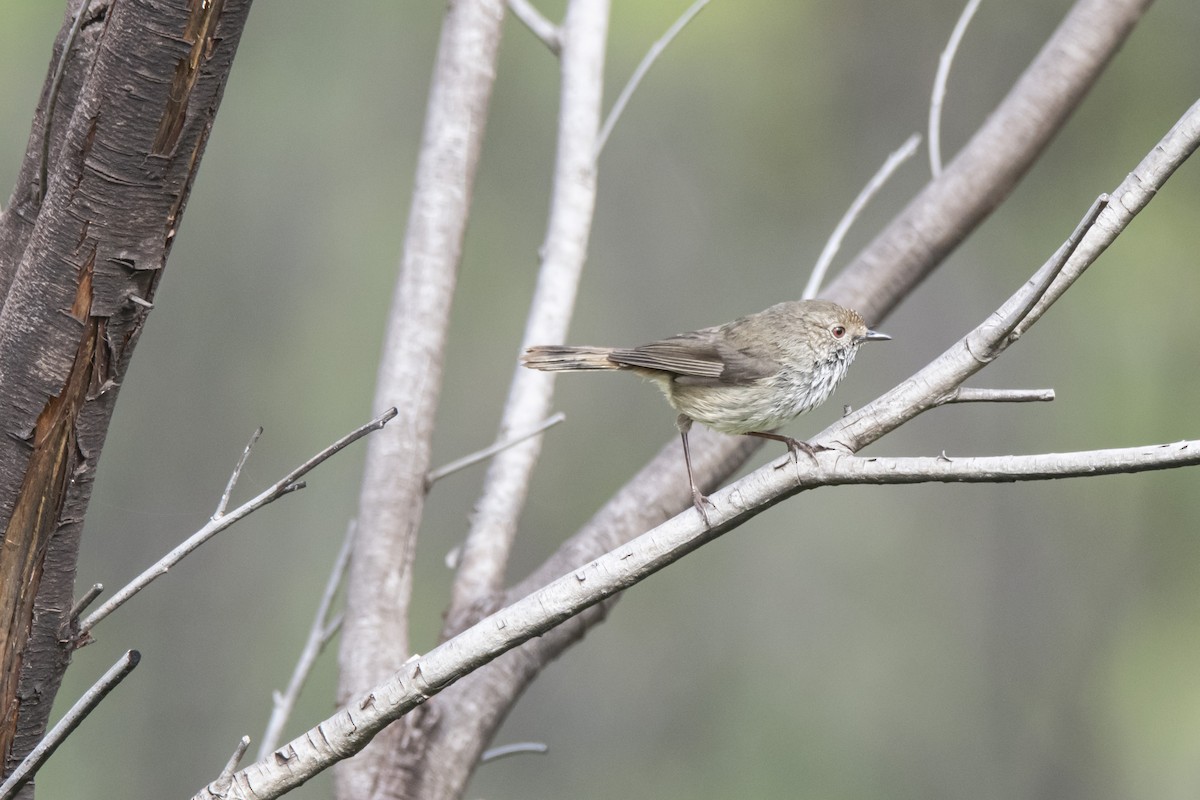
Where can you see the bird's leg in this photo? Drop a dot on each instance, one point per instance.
(794, 446)
(684, 423)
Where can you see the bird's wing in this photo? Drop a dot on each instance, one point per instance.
(697, 358)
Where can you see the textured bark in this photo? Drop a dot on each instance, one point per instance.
(79, 262)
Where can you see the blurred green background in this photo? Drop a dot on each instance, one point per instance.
(933, 642)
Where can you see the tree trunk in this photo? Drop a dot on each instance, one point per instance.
(83, 242)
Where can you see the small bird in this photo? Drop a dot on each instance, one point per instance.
(747, 377)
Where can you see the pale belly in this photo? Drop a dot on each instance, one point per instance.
(763, 406)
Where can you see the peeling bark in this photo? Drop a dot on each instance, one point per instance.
(80, 259)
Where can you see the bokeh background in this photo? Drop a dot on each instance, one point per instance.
(934, 642)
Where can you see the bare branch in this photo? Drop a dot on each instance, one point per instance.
(657, 490)
(648, 60)
(239, 752)
(898, 157)
(319, 635)
(82, 603)
(537, 24)
(351, 728)
(67, 725)
(964, 395)
(375, 635)
(504, 751)
(284, 485)
(987, 168)
(460, 464)
(939, 86)
(535, 614)
(237, 473)
(494, 526)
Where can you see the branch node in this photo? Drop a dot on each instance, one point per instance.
(545, 30)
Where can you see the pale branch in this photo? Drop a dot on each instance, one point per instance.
(471, 459)
(939, 85)
(235, 758)
(1023, 309)
(988, 167)
(319, 634)
(643, 67)
(283, 486)
(237, 473)
(489, 541)
(375, 634)
(423, 676)
(538, 25)
(518, 748)
(965, 395)
(83, 602)
(349, 730)
(881, 176)
(67, 725)
(977, 180)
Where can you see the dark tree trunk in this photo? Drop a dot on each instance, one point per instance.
(80, 260)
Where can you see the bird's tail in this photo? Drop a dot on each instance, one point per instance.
(560, 358)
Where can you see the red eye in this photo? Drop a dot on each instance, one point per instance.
(838, 331)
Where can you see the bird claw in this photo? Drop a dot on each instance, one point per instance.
(700, 501)
(796, 447)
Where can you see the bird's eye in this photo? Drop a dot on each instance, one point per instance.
(838, 331)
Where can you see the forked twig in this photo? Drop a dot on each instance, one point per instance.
(285, 485)
(538, 25)
(237, 473)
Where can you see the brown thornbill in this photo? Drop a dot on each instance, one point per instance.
(747, 377)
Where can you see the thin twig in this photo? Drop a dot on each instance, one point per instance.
(319, 634)
(285, 485)
(517, 748)
(237, 473)
(538, 25)
(1075, 241)
(482, 455)
(898, 157)
(642, 68)
(70, 721)
(1018, 317)
(939, 86)
(52, 100)
(964, 395)
(86, 600)
(239, 752)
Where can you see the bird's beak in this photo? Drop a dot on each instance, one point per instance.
(875, 336)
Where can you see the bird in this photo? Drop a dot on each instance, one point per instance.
(746, 377)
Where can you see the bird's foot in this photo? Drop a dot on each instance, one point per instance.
(796, 446)
(700, 501)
